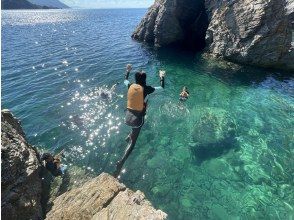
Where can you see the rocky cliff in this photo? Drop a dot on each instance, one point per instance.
(102, 197)
(255, 32)
(258, 32)
(20, 181)
(181, 22)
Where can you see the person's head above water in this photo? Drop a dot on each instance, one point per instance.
(140, 78)
(47, 157)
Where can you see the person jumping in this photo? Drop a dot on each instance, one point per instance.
(136, 108)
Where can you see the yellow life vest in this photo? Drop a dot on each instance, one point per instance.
(136, 97)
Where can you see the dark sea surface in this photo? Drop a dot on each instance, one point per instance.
(225, 153)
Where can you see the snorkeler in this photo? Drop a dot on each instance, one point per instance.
(136, 107)
(53, 164)
(184, 95)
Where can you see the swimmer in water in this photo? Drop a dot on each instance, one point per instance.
(106, 94)
(77, 121)
(184, 95)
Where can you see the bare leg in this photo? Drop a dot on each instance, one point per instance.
(134, 136)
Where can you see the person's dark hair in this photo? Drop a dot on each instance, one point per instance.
(186, 89)
(140, 78)
(46, 156)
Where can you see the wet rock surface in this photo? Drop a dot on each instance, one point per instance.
(20, 181)
(103, 198)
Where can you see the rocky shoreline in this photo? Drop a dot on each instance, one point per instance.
(251, 32)
(23, 190)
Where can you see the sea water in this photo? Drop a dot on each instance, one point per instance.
(225, 153)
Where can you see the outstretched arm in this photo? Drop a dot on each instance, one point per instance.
(161, 76)
(128, 70)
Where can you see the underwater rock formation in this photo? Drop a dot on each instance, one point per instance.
(20, 181)
(213, 133)
(251, 32)
(103, 198)
(174, 22)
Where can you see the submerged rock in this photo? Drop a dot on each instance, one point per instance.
(213, 133)
(103, 198)
(20, 181)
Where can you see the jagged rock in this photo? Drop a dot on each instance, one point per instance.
(257, 32)
(174, 21)
(103, 198)
(214, 132)
(20, 182)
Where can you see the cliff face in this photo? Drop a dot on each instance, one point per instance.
(20, 182)
(257, 32)
(103, 198)
(182, 22)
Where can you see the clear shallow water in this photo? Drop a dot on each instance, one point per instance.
(55, 64)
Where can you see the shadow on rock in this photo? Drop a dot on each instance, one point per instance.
(52, 187)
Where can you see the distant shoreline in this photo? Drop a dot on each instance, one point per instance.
(29, 5)
(33, 9)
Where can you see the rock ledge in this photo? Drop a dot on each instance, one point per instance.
(103, 198)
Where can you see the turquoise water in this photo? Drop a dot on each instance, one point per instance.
(226, 153)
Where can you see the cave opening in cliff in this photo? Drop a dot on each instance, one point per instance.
(193, 20)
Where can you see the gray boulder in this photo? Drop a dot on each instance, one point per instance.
(20, 181)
